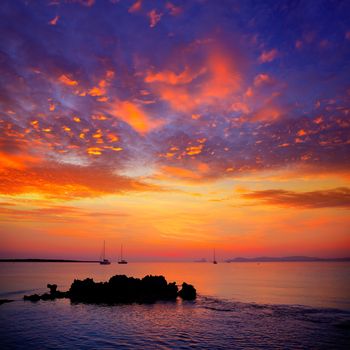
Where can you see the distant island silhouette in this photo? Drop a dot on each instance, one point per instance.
(287, 259)
(203, 260)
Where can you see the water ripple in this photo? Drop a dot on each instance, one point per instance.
(207, 323)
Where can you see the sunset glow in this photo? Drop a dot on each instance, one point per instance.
(173, 128)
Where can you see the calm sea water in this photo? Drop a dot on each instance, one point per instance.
(240, 306)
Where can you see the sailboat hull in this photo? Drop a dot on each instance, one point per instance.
(105, 262)
(121, 261)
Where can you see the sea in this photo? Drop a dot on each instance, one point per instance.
(280, 305)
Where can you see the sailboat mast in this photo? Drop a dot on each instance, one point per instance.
(121, 252)
(104, 250)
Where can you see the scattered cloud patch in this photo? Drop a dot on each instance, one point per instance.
(333, 198)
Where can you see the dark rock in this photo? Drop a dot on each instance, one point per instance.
(52, 287)
(60, 295)
(188, 292)
(47, 296)
(33, 297)
(54, 293)
(123, 289)
(119, 289)
(3, 301)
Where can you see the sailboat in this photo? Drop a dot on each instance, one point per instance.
(103, 260)
(214, 258)
(121, 261)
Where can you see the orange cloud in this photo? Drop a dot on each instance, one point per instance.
(338, 197)
(16, 161)
(225, 78)
(172, 78)
(268, 56)
(179, 98)
(268, 112)
(96, 151)
(53, 213)
(64, 79)
(133, 115)
(101, 89)
(97, 91)
(179, 172)
(197, 171)
(64, 181)
(194, 150)
(219, 76)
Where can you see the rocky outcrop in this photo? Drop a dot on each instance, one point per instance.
(123, 289)
(119, 289)
(54, 294)
(188, 292)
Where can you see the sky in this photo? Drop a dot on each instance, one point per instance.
(173, 128)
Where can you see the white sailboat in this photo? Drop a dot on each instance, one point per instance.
(122, 261)
(103, 260)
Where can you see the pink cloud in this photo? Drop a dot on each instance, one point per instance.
(171, 78)
(298, 44)
(268, 56)
(261, 79)
(154, 17)
(173, 10)
(136, 6)
(54, 21)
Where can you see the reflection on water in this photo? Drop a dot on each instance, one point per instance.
(223, 317)
(313, 284)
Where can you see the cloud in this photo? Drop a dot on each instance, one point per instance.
(268, 112)
(173, 10)
(154, 17)
(136, 6)
(262, 79)
(112, 96)
(53, 213)
(54, 21)
(135, 116)
(87, 3)
(332, 198)
(66, 80)
(171, 78)
(214, 78)
(66, 181)
(268, 56)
